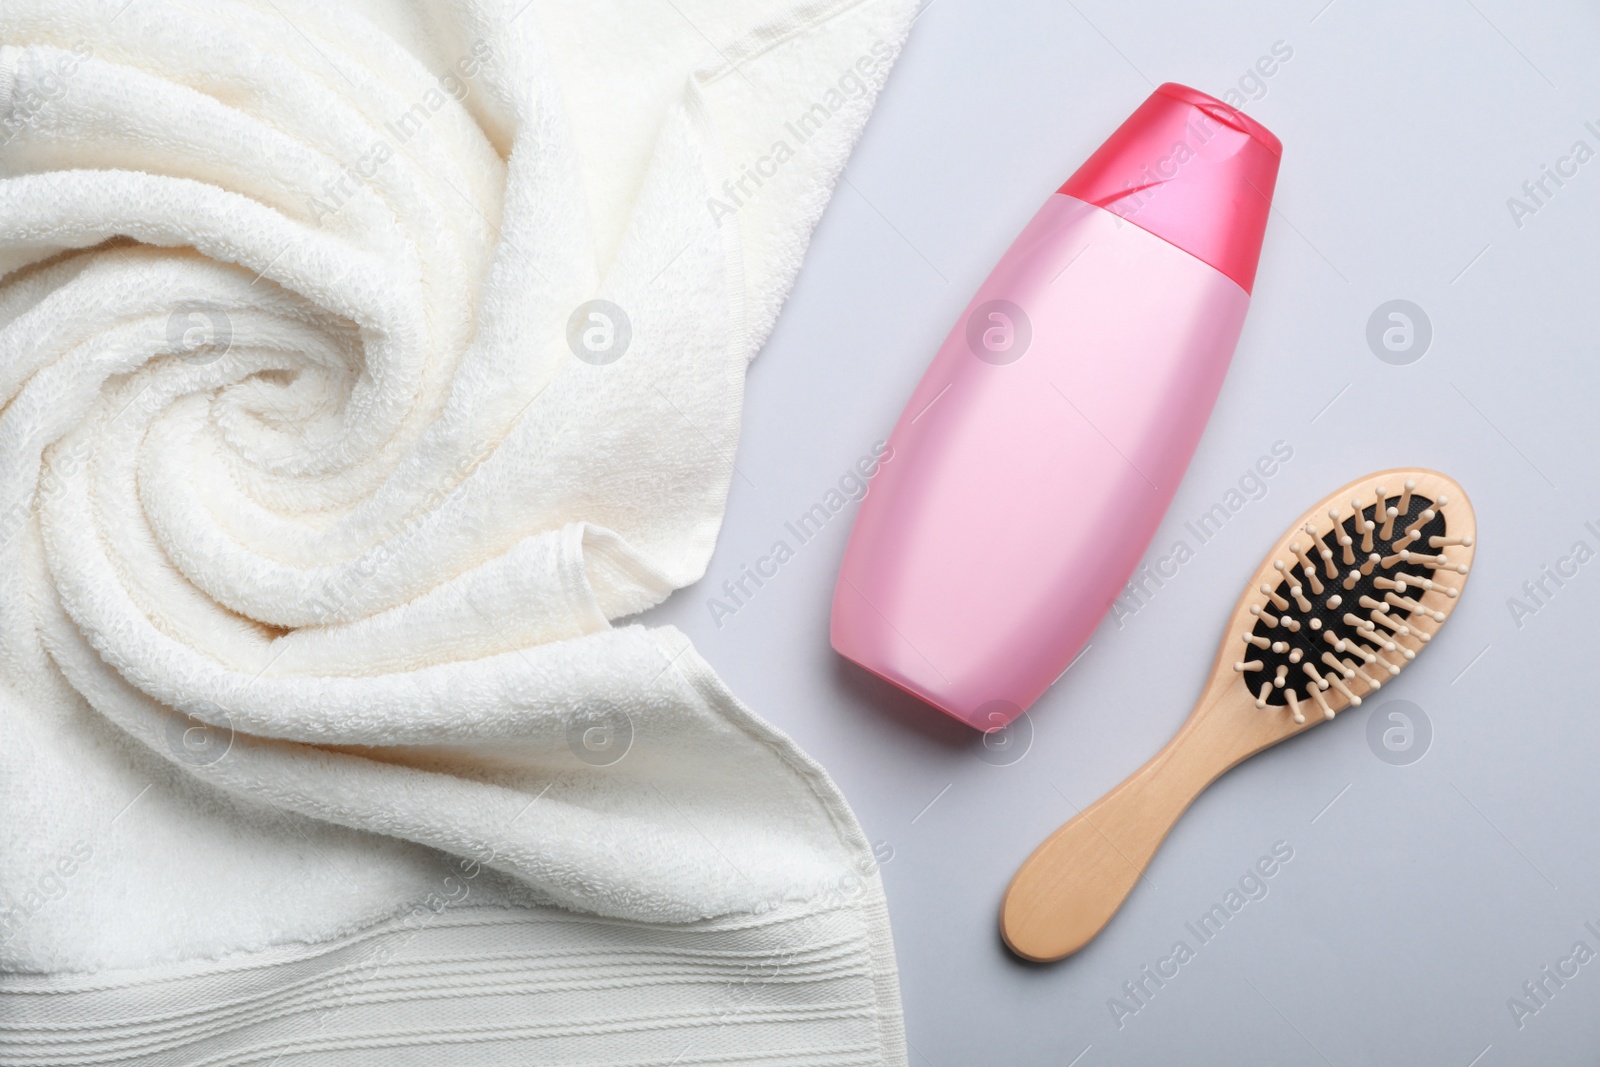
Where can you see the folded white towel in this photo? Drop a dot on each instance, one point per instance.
(359, 363)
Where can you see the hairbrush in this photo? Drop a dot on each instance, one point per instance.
(1358, 586)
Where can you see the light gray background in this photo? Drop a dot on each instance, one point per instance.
(1420, 897)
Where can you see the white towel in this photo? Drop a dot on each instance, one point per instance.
(360, 364)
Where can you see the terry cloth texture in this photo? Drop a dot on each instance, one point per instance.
(361, 363)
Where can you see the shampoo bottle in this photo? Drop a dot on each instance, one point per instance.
(1046, 440)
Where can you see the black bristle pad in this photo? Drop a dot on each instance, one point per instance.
(1310, 642)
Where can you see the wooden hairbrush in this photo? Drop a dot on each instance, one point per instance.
(1357, 587)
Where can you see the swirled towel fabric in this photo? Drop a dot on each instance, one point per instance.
(361, 364)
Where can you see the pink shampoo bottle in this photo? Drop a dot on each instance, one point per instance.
(1043, 445)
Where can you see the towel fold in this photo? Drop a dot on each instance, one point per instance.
(360, 365)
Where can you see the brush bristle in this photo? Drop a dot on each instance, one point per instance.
(1348, 603)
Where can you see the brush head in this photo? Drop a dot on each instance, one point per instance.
(1353, 593)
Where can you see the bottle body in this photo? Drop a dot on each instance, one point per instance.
(1034, 462)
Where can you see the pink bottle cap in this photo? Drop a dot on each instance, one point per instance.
(1192, 170)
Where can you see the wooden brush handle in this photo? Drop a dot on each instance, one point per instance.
(1076, 880)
